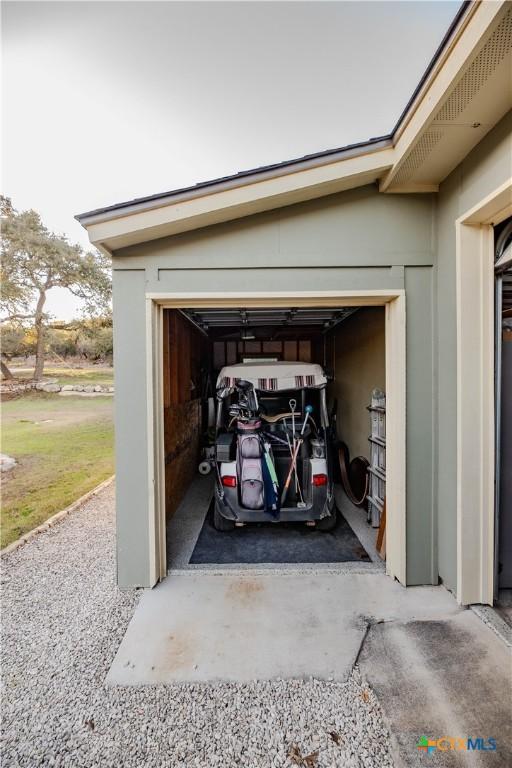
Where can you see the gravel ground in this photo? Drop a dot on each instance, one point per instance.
(62, 621)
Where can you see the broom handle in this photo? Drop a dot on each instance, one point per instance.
(290, 471)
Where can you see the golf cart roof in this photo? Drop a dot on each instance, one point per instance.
(273, 377)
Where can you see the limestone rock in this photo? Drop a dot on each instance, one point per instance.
(6, 462)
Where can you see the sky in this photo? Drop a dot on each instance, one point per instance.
(107, 101)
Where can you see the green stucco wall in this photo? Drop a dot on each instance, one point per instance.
(358, 239)
(482, 171)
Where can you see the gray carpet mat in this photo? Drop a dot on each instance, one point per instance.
(277, 543)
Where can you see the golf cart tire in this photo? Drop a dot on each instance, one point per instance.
(329, 522)
(221, 523)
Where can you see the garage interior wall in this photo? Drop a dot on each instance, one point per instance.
(304, 347)
(482, 171)
(186, 351)
(359, 367)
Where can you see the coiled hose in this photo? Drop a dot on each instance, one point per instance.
(348, 469)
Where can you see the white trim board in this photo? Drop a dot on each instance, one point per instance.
(393, 300)
(475, 394)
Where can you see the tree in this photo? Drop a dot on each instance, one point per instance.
(15, 341)
(35, 260)
(94, 341)
(61, 342)
(12, 336)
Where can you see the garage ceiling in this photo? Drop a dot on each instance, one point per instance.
(319, 319)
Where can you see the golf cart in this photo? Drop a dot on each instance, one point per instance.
(273, 446)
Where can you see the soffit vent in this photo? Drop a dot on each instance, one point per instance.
(495, 49)
(493, 52)
(418, 155)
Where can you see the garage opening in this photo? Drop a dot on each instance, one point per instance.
(274, 435)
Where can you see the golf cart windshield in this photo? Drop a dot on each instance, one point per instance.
(273, 377)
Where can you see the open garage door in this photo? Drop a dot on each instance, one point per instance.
(347, 342)
(197, 343)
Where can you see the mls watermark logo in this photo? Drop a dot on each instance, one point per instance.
(426, 745)
(454, 744)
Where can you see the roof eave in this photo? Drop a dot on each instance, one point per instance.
(228, 200)
(252, 176)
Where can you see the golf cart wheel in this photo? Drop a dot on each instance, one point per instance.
(329, 522)
(220, 523)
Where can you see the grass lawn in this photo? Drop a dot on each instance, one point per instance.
(88, 375)
(64, 447)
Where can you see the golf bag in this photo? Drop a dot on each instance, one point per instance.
(249, 464)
